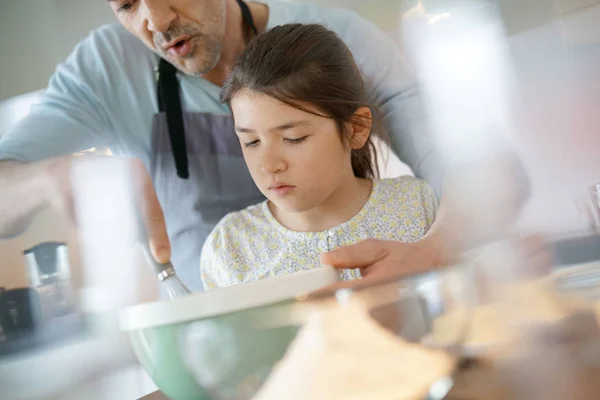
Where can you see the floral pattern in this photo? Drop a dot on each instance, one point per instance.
(251, 244)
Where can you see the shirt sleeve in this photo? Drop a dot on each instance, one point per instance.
(210, 272)
(72, 114)
(393, 88)
(219, 254)
(430, 204)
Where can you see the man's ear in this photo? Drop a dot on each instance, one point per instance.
(360, 127)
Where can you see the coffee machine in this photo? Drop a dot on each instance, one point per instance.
(49, 274)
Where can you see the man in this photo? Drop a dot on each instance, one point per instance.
(191, 167)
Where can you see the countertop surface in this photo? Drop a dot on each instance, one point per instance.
(154, 396)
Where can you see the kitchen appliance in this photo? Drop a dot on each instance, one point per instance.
(594, 192)
(20, 312)
(48, 271)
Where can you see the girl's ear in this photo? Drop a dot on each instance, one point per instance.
(360, 127)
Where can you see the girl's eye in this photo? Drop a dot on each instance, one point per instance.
(124, 7)
(298, 140)
(251, 144)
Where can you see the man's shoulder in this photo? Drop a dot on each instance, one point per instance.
(334, 18)
(112, 30)
(115, 36)
(111, 47)
(362, 36)
(112, 63)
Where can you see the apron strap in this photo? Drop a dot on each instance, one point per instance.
(170, 102)
(247, 16)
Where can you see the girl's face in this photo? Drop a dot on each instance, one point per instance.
(297, 159)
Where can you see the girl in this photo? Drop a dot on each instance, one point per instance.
(302, 118)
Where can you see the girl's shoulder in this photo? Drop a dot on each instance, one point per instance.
(403, 195)
(238, 226)
(402, 208)
(402, 187)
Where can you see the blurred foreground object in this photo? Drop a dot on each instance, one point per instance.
(464, 68)
(594, 192)
(69, 353)
(527, 280)
(343, 353)
(395, 315)
(536, 337)
(549, 363)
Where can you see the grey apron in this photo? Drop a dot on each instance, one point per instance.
(198, 171)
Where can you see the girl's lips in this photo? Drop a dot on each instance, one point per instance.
(282, 190)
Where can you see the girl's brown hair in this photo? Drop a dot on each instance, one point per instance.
(308, 64)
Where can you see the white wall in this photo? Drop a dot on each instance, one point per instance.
(554, 47)
(39, 34)
(558, 68)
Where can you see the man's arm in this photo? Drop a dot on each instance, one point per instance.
(393, 88)
(70, 117)
(24, 193)
(74, 114)
(480, 196)
(28, 188)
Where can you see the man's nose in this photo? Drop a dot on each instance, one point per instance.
(159, 15)
(272, 163)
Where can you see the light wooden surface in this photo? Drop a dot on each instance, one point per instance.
(154, 396)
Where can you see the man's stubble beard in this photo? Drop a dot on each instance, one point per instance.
(207, 59)
(206, 50)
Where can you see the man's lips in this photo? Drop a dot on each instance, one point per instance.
(179, 48)
(175, 41)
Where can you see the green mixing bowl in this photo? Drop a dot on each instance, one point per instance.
(232, 357)
(235, 353)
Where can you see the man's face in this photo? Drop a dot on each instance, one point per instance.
(187, 33)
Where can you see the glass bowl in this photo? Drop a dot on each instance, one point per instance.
(577, 288)
(308, 346)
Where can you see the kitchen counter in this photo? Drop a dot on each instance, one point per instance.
(154, 396)
(126, 383)
(80, 366)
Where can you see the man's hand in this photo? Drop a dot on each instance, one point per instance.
(28, 188)
(151, 213)
(381, 260)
